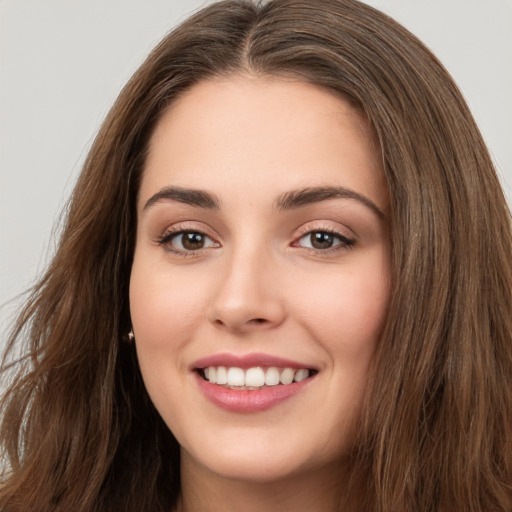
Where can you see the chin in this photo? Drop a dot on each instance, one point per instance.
(260, 471)
(263, 461)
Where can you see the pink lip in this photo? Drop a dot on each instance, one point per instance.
(256, 400)
(249, 400)
(247, 361)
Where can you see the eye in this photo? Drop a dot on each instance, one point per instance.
(324, 240)
(187, 241)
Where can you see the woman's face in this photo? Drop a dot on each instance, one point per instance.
(261, 275)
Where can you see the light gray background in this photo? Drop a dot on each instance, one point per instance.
(63, 62)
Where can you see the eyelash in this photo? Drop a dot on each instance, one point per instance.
(345, 242)
(165, 239)
(169, 235)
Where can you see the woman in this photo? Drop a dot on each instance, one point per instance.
(288, 247)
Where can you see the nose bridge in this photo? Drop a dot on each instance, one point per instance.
(247, 294)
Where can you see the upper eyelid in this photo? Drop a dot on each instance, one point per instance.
(164, 236)
(187, 226)
(303, 230)
(311, 226)
(328, 231)
(345, 240)
(165, 242)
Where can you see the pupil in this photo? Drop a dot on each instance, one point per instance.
(193, 241)
(321, 240)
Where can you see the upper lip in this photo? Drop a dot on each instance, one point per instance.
(247, 361)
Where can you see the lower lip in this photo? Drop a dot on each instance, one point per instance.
(244, 400)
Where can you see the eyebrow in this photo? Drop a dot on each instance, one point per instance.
(310, 195)
(287, 201)
(193, 197)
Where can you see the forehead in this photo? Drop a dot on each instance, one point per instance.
(253, 131)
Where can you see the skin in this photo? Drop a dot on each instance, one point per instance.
(259, 285)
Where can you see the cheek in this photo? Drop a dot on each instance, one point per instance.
(166, 311)
(164, 308)
(346, 310)
(344, 313)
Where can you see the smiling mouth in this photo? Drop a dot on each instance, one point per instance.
(254, 378)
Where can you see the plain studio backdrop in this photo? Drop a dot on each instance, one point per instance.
(62, 64)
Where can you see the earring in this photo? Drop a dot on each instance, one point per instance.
(131, 336)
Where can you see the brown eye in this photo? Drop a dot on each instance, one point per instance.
(192, 241)
(188, 241)
(323, 240)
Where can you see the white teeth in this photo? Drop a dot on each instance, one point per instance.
(255, 377)
(272, 377)
(286, 376)
(222, 375)
(300, 375)
(236, 377)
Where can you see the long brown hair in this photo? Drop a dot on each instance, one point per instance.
(78, 429)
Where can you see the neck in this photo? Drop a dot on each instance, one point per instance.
(322, 490)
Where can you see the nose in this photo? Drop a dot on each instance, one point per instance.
(248, 296)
